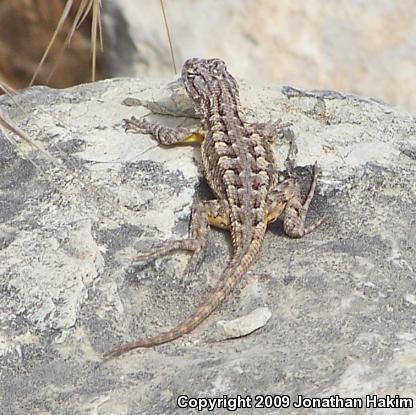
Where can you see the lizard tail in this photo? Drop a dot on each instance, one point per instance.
(235, 270)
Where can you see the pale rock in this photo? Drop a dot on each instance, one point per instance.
(245, 324)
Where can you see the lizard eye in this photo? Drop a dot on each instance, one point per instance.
(219, 64)
(191, 73)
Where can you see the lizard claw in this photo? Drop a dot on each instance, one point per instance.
(310, 228)
(137, 125)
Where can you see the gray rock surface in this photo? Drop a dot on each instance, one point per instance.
(245, 325)
(366, 47)
(342, 299)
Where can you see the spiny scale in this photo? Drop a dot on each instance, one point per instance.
(240, 167)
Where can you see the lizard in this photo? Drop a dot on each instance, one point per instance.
(240, 167)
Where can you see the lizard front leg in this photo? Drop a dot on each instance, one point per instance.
(206, 213)
(164, 135)
(286, 199)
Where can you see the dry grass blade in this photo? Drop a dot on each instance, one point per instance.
(59, 26)
(8, 125)
(168, 33)
(82, 14)
(96, 29)
(16, 145)
(8, 90)
(83, 10)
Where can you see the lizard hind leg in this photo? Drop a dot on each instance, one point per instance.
(205, 213)
(296, 211)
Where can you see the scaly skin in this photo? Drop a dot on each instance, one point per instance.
(240, 168)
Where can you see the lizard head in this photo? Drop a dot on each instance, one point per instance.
(200, 76)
